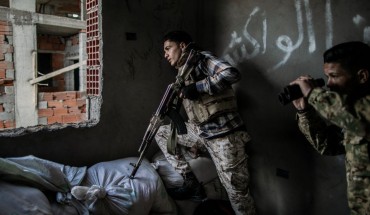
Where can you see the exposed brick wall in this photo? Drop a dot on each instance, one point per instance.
(53, 43)
(93, 47)
(7, 96)
(62, 107)
(70, 47)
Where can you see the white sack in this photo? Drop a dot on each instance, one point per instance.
(107, 189)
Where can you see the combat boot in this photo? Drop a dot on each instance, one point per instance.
(191, 189)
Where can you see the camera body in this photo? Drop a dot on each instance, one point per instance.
(293, 92)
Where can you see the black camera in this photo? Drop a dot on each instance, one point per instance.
(293, 92)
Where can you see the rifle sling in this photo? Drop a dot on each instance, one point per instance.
(172, 140)
(184, 73)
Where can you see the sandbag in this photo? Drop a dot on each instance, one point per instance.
(41, 173)
(107, 189)
(25, 200)
(48, 176)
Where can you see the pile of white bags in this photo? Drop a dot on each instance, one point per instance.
(104, 188)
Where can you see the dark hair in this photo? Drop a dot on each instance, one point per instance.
(178, 36)
(352, 56)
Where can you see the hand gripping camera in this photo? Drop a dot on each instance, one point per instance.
(293, 92)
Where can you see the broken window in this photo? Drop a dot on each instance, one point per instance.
(50, 69)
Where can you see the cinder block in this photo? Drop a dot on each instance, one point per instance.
(9, 107)
(7, 99)
(6, 116)
(9, 90)
(8, 57)
(9, 38)
(43, 104)
(9, 74)
(43, 121)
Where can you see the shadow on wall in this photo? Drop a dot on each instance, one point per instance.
(279, 161)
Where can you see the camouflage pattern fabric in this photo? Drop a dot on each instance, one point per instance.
(228, 154)
(354, 121)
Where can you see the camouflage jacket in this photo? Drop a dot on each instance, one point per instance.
(333, 113)
(334, 126)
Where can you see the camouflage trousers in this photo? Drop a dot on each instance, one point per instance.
(358, 178)
(229, 156)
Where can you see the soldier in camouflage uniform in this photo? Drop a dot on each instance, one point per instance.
(337, 121)
(214, 123)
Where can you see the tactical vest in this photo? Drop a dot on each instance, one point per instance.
(210, 106)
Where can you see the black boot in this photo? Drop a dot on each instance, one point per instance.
(191, 189)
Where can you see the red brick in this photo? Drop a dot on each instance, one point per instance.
(44, 45)
(74, 110)
(45, 112)
(2, 73)
(70, 103)
(55, 104)
(54, 39)
(81, 102)
(61, 85)
(9, 124)
(4, 48)
(46, 96)
(6, 29)
(60, 111)
(57, 60)
(60, 96)
(10, 49)
(55, 119)
(1, 108)
(6, 65)
(1, 125)
(72, 118)
(62, 47)
(65, 95)
(82, 108)
(80, 94)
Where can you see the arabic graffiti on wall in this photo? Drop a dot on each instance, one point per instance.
(237, 52)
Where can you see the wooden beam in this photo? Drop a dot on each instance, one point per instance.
(57, 72)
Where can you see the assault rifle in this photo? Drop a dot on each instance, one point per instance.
(169, 106)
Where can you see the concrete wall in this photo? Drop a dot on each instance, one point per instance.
(271, 42)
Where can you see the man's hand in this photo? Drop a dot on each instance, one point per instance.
(190, 92)
(306, 83)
